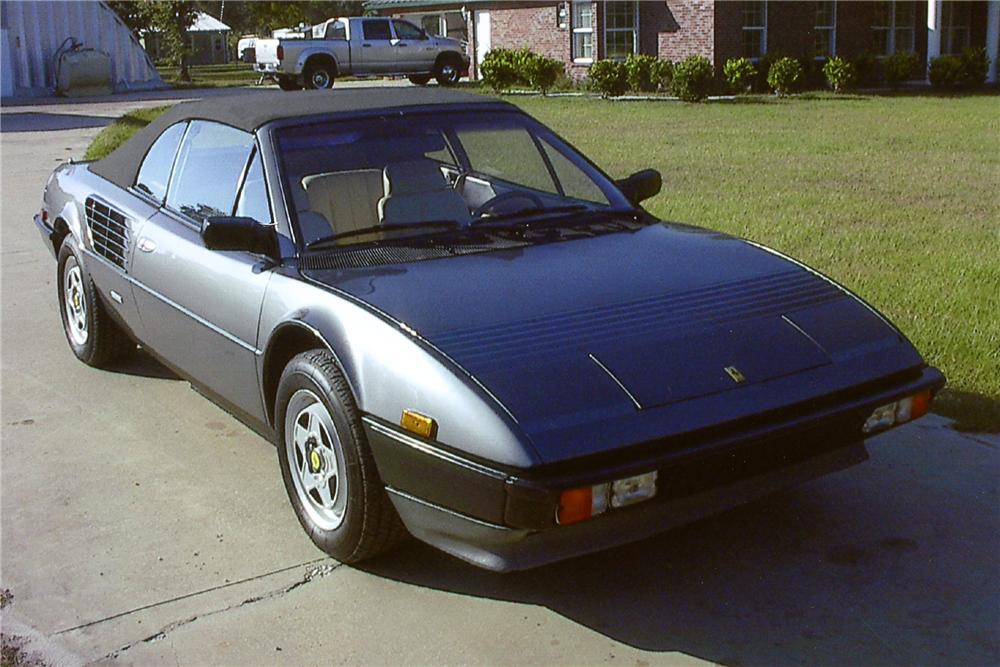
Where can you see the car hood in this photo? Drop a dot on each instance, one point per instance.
(574, 336)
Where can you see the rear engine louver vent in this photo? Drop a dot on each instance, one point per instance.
(109, 230)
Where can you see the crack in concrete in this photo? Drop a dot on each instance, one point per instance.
(317, 572)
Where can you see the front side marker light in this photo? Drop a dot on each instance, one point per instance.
(899, 412)
(414, 422)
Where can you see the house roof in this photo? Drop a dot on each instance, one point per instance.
(249, 111)
(207, 23)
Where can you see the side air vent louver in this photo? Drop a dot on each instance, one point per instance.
(109, 231)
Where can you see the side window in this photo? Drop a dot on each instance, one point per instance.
(406, 30)
(253, 202)
(507, 153)
(336, 30)
(154, 172)
(377, 29)
(208, 171)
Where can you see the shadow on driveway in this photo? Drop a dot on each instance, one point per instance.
(47, 122)
(802, 577)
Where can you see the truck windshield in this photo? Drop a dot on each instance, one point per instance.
(364, 180)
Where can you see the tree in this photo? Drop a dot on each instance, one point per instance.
(171, 19)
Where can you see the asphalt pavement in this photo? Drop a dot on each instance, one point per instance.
(141, 524)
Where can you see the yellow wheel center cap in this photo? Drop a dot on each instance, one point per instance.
(76, 300)
(315, 462)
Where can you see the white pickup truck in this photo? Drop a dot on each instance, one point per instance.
(361, 46)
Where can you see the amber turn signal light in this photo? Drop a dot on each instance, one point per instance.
(414, 422)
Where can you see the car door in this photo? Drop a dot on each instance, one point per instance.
(200, 308)
(413, 49)
(377, 53)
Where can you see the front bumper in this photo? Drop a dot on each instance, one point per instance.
(48, 233)
(504, 519)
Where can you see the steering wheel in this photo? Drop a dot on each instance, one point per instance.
(500, 205)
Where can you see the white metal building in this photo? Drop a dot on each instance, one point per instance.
(33, 31)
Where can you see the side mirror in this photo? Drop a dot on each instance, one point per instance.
(246, 234)
(641, 185)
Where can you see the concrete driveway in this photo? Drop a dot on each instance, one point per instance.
(141, 524)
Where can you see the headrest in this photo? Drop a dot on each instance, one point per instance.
(412, 177)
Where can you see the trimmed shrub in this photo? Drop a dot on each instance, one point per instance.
(946, 72)
(867, 70)
(975, 66)
(608, 77)
(499, 69)
(783, 75)
(663, 74)
(692, 80)
(900, 67)
(639, 72)
(839, 73)
(740, 73)
(542, 72)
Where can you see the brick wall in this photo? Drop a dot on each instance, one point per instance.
(686, 28)
(533, 27)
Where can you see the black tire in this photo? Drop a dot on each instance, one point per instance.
(448, 70)
(369, 525)
(419, 79)
(288, 83)
(319, 75)
(102, 340)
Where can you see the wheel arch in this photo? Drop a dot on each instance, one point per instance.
(320, 57)
(445, 56)
(289, 339)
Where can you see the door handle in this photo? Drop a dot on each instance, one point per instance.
(367, 46)
(146, 245)
(402, 44)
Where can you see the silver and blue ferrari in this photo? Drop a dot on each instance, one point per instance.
(453, 325)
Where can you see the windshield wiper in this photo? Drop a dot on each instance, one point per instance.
(439, 225)
(532, 211)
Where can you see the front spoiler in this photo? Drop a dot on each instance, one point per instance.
(504, 549)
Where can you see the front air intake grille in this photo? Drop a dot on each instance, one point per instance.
(109, 231)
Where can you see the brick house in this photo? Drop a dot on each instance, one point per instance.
(579, 32)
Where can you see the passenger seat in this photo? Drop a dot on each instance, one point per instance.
(416, 191)
(347, 199)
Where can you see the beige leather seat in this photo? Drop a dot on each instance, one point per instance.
(416, 191)
(347, 199)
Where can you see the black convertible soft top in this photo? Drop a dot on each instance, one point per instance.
(249, 111)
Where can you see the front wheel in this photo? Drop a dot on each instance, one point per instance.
(419, 79)
(91, 333)
(327, 467)
(448, 72)
(319, 76)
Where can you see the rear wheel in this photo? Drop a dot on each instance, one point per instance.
(328, 469)
(319, 75)
(288, 83)
(419, 79)
(91, 333)
(448, 71)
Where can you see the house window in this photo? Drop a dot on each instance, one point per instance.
(825, 29)
(583, 31)
(956, 17)
(621, 29)
(754, 29)
(894, 28)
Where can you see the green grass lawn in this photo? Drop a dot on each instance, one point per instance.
(212, 76)
(896, 197)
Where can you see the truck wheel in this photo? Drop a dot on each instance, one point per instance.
(448, 71)
(319, 76)
(328, 469)
(419, 79)
(91, 333)
(288, 83)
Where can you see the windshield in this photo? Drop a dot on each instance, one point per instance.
(365, 180)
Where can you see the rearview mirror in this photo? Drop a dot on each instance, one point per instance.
(232, 233)
(641, 185)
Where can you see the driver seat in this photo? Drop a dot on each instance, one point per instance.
(416, 191)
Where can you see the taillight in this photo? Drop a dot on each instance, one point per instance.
(44, 215)
(281, 52)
